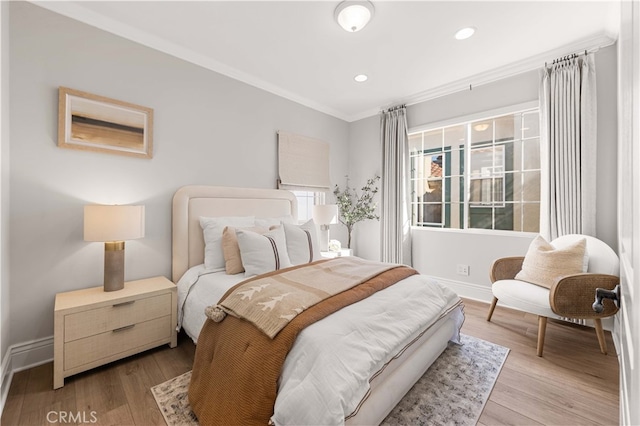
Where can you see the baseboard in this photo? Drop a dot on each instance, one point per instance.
(20, 357)
(466, 290)
(7, 375)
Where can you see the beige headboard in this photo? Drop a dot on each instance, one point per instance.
(191, 202)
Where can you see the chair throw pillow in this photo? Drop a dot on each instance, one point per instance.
(544, 263)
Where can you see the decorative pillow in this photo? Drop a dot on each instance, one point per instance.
(274, 221)
(231, 249)
(262, 253)
(544, 263)
(302, 242)
(212, 228)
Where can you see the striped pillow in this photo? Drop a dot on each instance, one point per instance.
(302, 243)
(262, 253)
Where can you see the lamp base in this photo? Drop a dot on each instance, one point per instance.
(323, 238)
(114, 266)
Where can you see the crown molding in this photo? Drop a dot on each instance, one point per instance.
(75, 11)
(591, 44)
(79, 13)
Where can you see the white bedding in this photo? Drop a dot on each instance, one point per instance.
(326, 374)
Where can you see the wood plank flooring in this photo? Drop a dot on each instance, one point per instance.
(573, 384)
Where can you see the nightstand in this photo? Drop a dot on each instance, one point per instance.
(332, 254)
(93, 327)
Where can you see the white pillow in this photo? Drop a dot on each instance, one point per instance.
(212, 228)
(302, 242)
(262, 253)
(267, 222)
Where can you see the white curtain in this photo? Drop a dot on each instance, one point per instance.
(568, 148)
(395, 218)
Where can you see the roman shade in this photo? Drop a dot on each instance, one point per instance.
(303, 163)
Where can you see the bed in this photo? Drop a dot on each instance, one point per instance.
(389, 378)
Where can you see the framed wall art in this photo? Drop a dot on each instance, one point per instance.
(96, 123)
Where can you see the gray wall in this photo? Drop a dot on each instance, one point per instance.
(208, 129)
(437, 252)
(4, 184)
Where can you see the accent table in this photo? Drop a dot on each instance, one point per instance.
(332, 254)
(93, 327)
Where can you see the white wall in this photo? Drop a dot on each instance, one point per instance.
(4, 193)
(208, 129)
(437, 252)
(365, 153)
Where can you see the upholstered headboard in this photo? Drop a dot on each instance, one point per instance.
(191, 202)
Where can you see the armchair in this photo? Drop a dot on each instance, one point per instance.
(570, 296)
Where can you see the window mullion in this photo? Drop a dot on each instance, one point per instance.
(467, 176)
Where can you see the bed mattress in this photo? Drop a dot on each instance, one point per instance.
(327, 374)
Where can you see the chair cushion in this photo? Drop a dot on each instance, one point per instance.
(524, 297)
(544, 263)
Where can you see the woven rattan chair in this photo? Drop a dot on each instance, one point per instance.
(570, 296)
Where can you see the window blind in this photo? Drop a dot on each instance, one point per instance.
(303, 163)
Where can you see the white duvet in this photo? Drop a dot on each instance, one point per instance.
(326, 374)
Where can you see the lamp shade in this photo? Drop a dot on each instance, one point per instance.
(113, 223)
(325, 214)
(353, 15)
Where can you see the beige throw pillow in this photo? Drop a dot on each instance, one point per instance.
(231, 249)
(544, 264)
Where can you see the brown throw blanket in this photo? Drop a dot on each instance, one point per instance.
(237, 366)
(271, 301)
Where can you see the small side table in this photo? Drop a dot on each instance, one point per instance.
(93, 327)
(332, 254)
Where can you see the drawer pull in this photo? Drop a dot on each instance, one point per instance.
(126, 327)
(130, 302)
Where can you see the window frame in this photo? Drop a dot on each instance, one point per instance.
(319, 197)
(466, 176)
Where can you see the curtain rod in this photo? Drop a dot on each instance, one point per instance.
(394, 108)
(567, 57)
(532, 63)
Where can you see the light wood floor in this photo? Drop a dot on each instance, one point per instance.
(573, 384)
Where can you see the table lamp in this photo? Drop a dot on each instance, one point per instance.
(325, 215)
(113, 225)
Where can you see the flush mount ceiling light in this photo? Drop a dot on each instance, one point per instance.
(361, 78)
(481, 127)
(354, 15)
(464, 33)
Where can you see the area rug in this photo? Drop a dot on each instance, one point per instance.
(453, 391)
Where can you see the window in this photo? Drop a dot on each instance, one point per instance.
(306, 201)
(481, 173)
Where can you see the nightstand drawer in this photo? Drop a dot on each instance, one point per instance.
(105, 345)
(107, 318)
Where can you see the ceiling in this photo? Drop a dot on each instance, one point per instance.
(296, 49)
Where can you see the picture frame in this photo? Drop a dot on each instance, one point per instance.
(96, 123)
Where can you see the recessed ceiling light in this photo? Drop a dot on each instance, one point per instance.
(465, 33)
(353, 15)
(361, 78)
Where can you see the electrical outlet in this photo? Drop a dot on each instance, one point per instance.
(462, 269)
